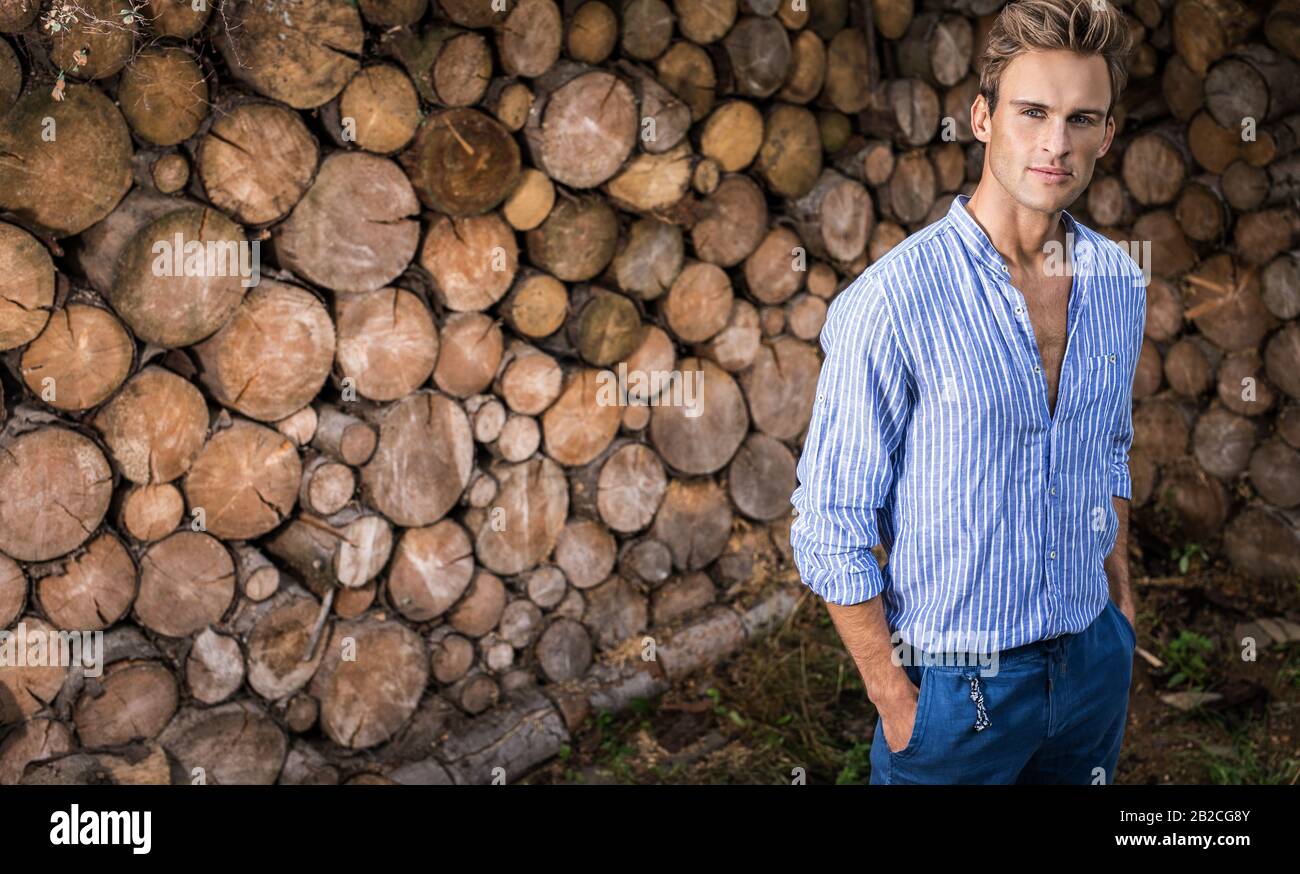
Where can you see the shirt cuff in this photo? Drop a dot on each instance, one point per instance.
(851, 583)
(1121, 482)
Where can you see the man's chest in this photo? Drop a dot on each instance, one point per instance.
(1047, 304)
(992, 354)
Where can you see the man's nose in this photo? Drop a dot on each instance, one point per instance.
(1057, 143)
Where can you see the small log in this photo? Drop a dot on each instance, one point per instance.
(327, 486)
(378, 110)
(257, 161)
(835, 218)
(343, 436)
(274, 354)
(163, 95)
(81, 358)
(761, 477)
(244, 481)
(151, 512)
(431, 570)
(354, 229)
(187, 582)
(699, 302)
(96, 43)
(214, 667)
(1275, 474)
(789, 161)
(533, 501)
(347, 549)
(694, 520)
(694, 437)
(258, 578)
(1222, 442)
(1243, 387)
(66, 185)
(582, 421)
(130, 701)
(26, 288)
(648, 260)
(91, 589)
(576, 241)
(536, 305)
(772, 271)
(276, 668)
(471, 351)
(235, 743)
(781, 386)
(564, 650)
(472, 260)
(462, 162)
(179, 307)
(530, 201)
(302, 56)
(55, 487)
(423, 460)
(387, 343)
(530, 382)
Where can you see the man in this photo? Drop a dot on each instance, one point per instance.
(973, 417)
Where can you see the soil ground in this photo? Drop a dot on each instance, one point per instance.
(794, 699)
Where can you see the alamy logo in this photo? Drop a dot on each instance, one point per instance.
(76, 826)
(35, 647)
(1083, 259)
(181, 257)
(657, 388)
(951, 648)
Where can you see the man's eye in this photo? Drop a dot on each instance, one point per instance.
(1083, 118)
(1027, 111)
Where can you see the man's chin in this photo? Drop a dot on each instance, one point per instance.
(1048, 199)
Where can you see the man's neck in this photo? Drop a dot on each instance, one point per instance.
(1020, 235)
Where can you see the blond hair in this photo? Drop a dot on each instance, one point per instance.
(1088, 27)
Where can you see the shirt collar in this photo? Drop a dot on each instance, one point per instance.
(982, 249)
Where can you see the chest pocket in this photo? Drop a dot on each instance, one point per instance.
(1100, 379)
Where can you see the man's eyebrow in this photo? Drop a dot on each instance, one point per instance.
(1036, 104)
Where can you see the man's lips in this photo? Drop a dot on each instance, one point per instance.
(1051, 174)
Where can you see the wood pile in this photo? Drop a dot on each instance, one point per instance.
(312, 310)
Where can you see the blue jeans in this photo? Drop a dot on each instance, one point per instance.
(1054, 711)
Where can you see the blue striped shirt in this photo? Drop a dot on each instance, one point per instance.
(931, 436)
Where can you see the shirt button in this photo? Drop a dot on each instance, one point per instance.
(1037, 368)
(1112, 356)
(1019, 310)
(1004, 269)
(1052, 554)
(1052, 490)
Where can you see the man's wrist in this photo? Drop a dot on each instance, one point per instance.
(895, 686)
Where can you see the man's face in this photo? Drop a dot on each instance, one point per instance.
(1049, 127)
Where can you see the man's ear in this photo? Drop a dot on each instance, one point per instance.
(981, 119)
(1110, 136)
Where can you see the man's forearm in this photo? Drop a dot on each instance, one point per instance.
(867, 637)
(1116, 563)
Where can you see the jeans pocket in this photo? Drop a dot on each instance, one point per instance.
(918, 724)
(1126, 628)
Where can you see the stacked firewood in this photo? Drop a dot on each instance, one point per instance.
(411, 426)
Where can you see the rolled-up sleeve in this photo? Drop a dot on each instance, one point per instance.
(1121, 480)
(846, 468)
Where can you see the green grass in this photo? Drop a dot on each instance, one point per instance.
(1186, 663)
(1246, 765)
